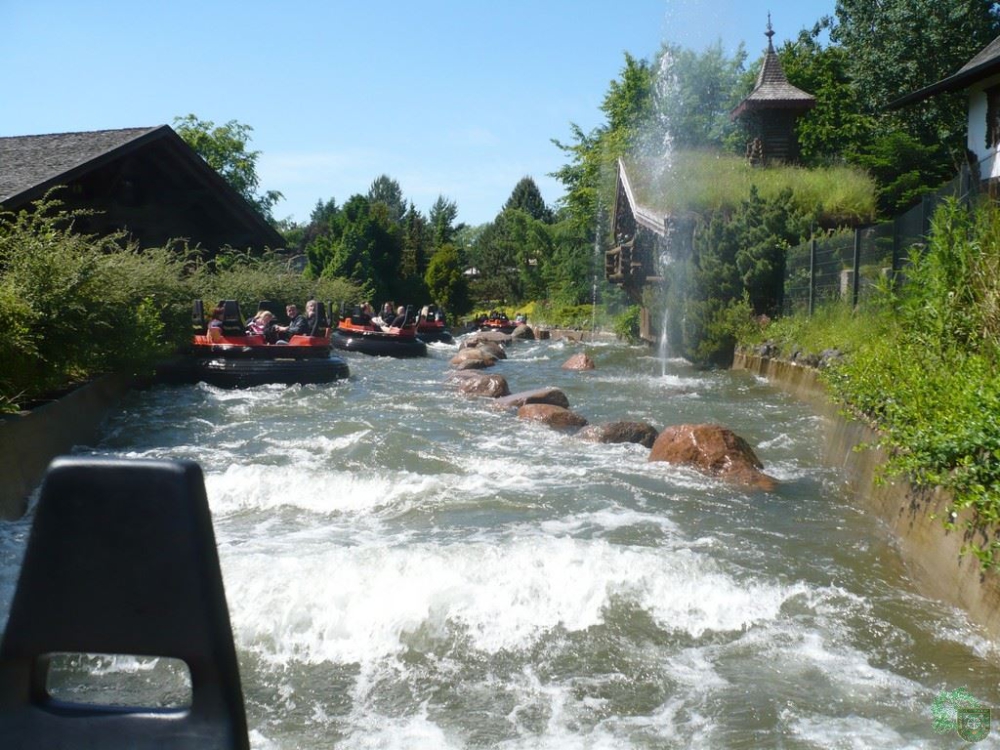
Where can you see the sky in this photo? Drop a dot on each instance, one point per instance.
(452, 98)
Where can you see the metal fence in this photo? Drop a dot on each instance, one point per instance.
(847, 265)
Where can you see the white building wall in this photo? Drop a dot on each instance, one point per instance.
(989, 164)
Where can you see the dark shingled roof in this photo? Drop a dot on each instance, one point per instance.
(34, 163)
(985, 64)
(772, 90)
(30, 165)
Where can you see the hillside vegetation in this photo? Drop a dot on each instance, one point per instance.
(922, 364)
(704, 182)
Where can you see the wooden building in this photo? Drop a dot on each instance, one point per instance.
(644, 239)
(980, 79)
(769, 112)
(638, 232)
(146, 181)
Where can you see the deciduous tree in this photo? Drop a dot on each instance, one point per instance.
(225, 149)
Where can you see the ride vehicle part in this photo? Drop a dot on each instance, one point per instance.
(121, 559)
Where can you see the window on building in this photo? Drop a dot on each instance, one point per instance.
(993, 116)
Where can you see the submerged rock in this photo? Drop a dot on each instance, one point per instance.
(552, 396)
(475, 383)
(579, 361)
(713, 450)
(467, 359)
(642, 433)
(557, 417)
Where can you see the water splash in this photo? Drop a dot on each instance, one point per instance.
(597, 265)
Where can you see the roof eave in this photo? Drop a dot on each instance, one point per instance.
(957, 82)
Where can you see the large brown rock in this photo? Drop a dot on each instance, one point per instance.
(642, 433)
(552, 396)
(557, 417)
(579, 361)
(523, 333)
(713, 450)
(473, 339)
(482, 384)
(472, 359)
(493, 348)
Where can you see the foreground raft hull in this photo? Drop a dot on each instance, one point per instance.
(246, 372)
(385, 345)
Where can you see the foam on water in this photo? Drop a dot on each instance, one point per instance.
(405, 567)
(355, 605)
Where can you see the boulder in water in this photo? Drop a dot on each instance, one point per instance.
(552, 396)
(713, 450)
(474, 383)
(579, 361)
(467, 359)
(642, 433)
(557, 417)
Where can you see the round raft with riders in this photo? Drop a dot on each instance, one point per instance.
(431, 326)
(393, 333)
(229, 352)
(498, 321)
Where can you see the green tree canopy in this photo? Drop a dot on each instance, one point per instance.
(387, 191)
(895, 47)
(695, 92)
(446, 282)
(442, 221)
(527, 197)
(225, 149)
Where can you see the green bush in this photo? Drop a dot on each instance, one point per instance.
(923, 366)
(250, 279)
(627, 324)
(74, 306)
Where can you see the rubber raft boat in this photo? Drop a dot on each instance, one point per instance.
(231, 358)
(431, 327)
(357, 332)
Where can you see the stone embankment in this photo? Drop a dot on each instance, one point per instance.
(28, 442)
(710, 449)
(912, 516)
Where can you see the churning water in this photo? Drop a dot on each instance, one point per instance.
(409, 568)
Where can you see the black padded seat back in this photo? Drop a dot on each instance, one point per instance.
(232, 320)
(121, 559)
(320, 324)
(198, 322)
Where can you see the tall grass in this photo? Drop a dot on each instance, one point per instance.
(706, 182)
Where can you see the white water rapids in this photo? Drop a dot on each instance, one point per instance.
(409, 568)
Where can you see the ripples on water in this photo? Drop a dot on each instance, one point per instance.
(406, 568)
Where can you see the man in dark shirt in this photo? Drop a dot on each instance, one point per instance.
(296, 324)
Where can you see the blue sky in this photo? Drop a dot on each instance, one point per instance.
(459, 98)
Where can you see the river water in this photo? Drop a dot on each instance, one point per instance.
(409, 568)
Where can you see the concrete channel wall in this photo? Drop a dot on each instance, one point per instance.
(912, 516)
(29, 442)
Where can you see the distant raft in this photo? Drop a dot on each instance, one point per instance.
(357, 332)
(231, 358)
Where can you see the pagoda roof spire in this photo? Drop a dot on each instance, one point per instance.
(772, 90)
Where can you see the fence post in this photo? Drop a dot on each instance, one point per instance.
(857, 268)
(812, 275)
(895, 251)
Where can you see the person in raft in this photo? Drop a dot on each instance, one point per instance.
(400, 318)
(262, 324)
(315, 324)
(296, 324)
(215, 323)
